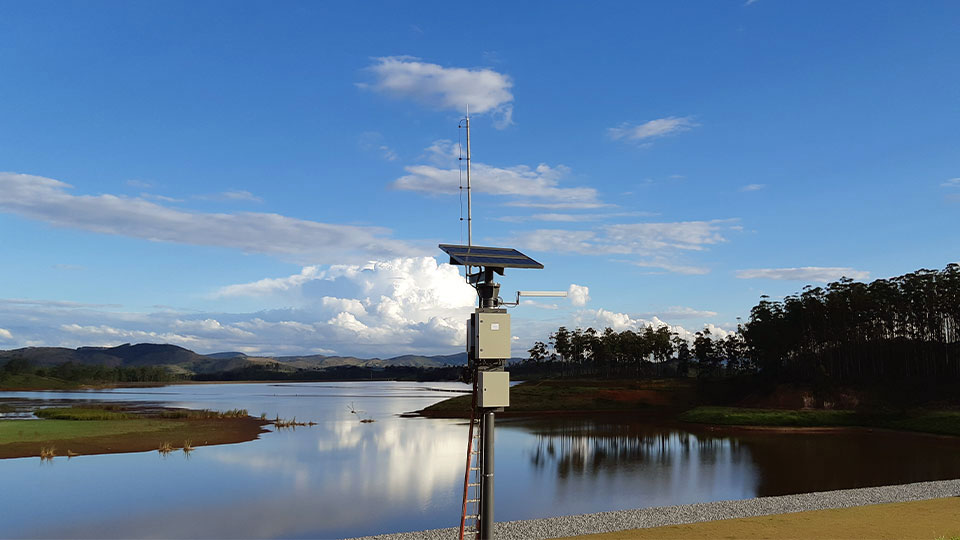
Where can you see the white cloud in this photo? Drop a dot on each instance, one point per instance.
(682, 312)
(388, 153)
(161, 198)
(48, 200)
(241, 195)
(483, 90)
(104, 335)
(630, 238)
(806, 273)
(559, 206)
(573, 218)
(382, 309)
(373, 141)
(579, 295)
(5, 334)
(53, 303)
(269, 286)
(654, 128)
(665, 264)
(599, 319)
(540, 182)
(753, 187)
(953, 182)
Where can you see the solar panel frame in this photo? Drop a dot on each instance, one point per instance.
(490, 257)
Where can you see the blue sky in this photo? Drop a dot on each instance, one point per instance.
(274, 178)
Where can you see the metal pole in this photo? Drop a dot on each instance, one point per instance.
(486, 497)
(469, 210)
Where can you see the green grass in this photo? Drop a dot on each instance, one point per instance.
(15, 431)
(940, 422)
(82, 413)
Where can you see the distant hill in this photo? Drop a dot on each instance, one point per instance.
(226, 355)
(186, 362)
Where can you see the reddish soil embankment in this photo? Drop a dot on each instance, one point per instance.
(198, 432)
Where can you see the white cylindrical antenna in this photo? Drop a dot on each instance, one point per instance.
(542, 294)
(469, 210)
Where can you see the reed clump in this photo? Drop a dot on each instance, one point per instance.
(165, 448)
(283, 424)
(47, 453)
(204, 414)
(187, 446)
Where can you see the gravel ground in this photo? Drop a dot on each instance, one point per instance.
(534, 529)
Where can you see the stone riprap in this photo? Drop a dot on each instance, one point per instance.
(554, 527)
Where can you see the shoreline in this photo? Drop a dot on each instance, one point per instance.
(123, 428)
(645, 518)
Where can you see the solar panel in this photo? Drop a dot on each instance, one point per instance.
(490, 257)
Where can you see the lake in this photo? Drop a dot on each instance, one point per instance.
(346, 478)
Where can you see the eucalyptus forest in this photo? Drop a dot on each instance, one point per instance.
(848, 332)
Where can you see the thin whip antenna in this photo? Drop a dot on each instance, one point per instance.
(460, 167)
(469, 201)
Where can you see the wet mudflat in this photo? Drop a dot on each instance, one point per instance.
(343, 477)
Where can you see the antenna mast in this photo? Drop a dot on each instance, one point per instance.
(469, 214)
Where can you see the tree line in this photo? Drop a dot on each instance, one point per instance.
(80, 373)
(847, 332)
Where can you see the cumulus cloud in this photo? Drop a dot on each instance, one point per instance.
(520, 181)
(394, 305)
(600, 319)
(660, 127)
(269, 286)
(5, 334)
(453, 88)
(806, 273)
(383, 308)
(579, 295)
(49, 200)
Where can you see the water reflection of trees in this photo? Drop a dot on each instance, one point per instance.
(803, 462)
(591, 448)
(763, 462)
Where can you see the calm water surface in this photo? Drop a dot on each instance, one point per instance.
(345, 478)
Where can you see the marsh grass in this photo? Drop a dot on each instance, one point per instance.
(71, 453)
(281, 423)
(187, 446)
(204, 414)
(82, 413)
(165, 448)
(47, 453)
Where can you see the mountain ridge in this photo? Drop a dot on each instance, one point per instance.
(186, 362)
